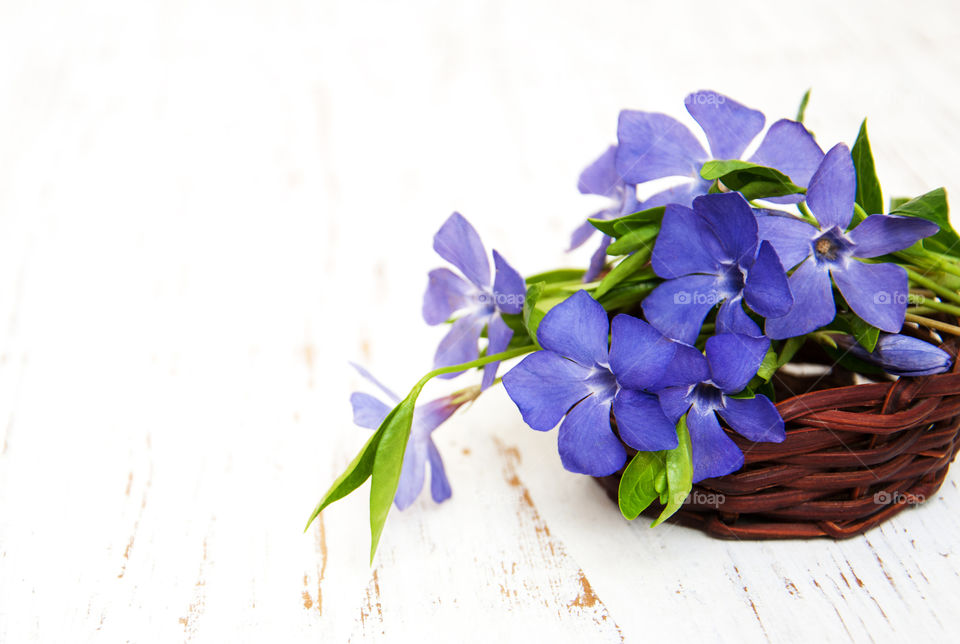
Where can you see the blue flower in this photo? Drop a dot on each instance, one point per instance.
(703, 387)
(902, 355)
(601, 178)
(709, 255)
(580, 379)
(875, 292)
(653, 146)
(477, 304)
(369, 412)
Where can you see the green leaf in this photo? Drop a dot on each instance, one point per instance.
(609, 226)
(630, 265)
(896, 202)
(769, 365)
(638, 485)
(749, 179)
(679, 466)
(559, 275)
(626, 293)
(801, 111)
(790, 348)
(868, 186)
(865, 334)
(633, 239)
(933, 207)
(531, 315)
(356, 474)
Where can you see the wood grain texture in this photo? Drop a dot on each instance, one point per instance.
(207, 209)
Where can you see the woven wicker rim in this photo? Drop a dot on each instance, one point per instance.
(855, 455)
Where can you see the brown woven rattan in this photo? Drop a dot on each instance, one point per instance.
(855, 455)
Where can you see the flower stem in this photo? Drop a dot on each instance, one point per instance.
(934, 324)
(936, 305)
(942, 291)
(479, 362)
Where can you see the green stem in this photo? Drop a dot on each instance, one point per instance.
(934, 324)
(802, 207)
(931, 261)
(479, 362)
(942, 291)
(936, 305)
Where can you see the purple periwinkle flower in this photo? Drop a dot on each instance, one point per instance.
(580, 379)
(369, 412)
(653, 146)
(902, 355)
(477, 304)
(709, 255)
(601, 178)
(876, 292)
(703, 387)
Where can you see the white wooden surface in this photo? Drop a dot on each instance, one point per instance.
(207, 209)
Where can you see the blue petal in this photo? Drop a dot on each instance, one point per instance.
(729, 126)
(597, 261)
(577, 328)
(446, 294)
(600, 177)
(714, 454)
(732, 221)
(460, 343)
(902, 355)
(439, 485)
(639, 353)
(791, 237)
(688, 367)
(499, 336)
(583, 232)
(652, 146)
(833, 188)
(508, 287)
(734, 359)
(674, 401)
(767, 291)
(544, 386)
(642, 423)
(677, 307)
(881, 234)
(731, 318)
(458, 243)
(368, 411)
(754, 418)
(431, 415)
(812, 303)
(682, 195)
(792, 150)
(679, 249)
(586, 441)
(876, 292)
(369, 377)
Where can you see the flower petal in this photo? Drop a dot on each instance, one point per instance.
(679, 250)
(674, 401)
(677, 307)
(812, 303)
(876, 292)
(458, 243)
(508, 287)
(544, 386)
(642, 423)
(639, 353)
(792, 238)
(714, 454)
(586, 441)
(368, 411)
(903, 355)
(881, 234)
(439, 485)
(460, 343)
(576, 328)
(756, 419)
(446, 294)
(767, 291)
(652, 146)
(731, 318)
(729, 126)
(597, 261)
(833, 188)
(732, 221)
(499, 336)
(682, 195)
(600, 177)
(369, 377)
(734, 359)
(583, 232)
(687, 367)
(791, 149)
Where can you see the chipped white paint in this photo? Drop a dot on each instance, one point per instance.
(206, 210)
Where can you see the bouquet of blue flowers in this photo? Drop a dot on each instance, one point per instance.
(669, 357)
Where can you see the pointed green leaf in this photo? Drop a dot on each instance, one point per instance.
(865, 334)
(609, 226)
(633, 239)
(868, 186)
(559, 275)
(933, 207)
(802, 110)
(679, 466)
(531, 316)
(638, 485)
(630, 265)
(749, 179)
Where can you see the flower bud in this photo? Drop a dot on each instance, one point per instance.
(902, 355)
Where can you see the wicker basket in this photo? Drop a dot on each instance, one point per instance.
(855, 455)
